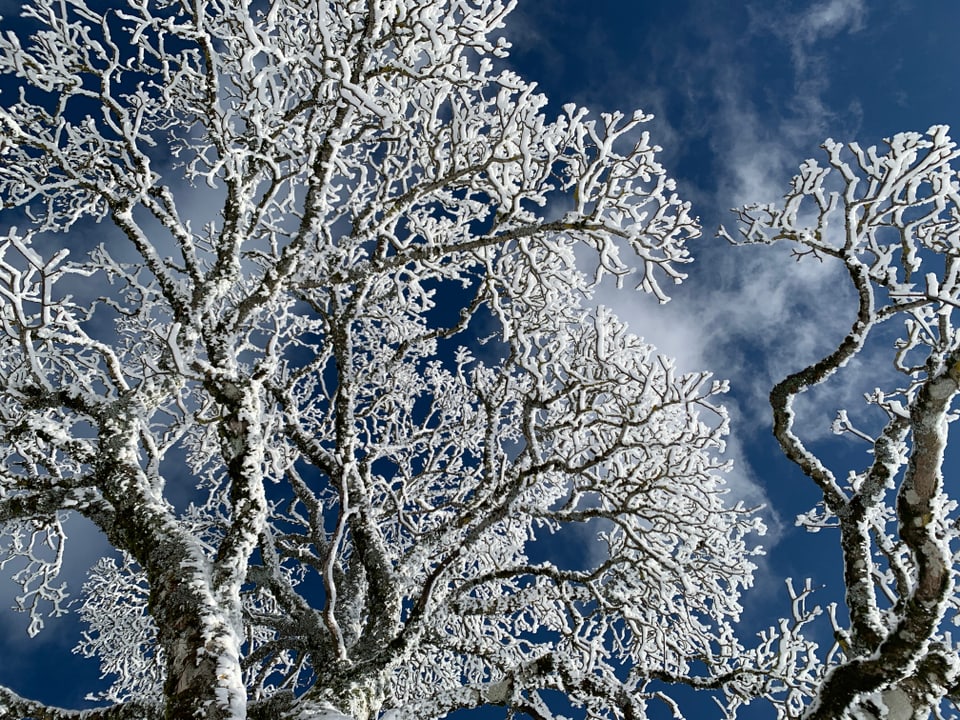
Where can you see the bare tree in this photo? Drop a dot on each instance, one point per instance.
(332, 374)
(891, 217)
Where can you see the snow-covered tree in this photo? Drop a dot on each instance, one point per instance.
(295, 310)
(891, 217)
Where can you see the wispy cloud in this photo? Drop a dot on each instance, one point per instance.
(805, 28)
(753, 314)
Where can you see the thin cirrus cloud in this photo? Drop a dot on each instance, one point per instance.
(741, 98)
(750, 314)
(820, 21)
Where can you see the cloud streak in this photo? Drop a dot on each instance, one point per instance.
(752, 314)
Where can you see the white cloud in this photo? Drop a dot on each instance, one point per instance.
(752, 315)
(759, 148)
(827, 19)
(801, 30)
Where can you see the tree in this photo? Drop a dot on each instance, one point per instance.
(886, 216)
(334, 375)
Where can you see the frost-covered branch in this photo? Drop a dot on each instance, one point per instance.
(14, 706)
(331, 380)
(885, 215)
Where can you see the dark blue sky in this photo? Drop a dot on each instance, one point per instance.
(742, 92)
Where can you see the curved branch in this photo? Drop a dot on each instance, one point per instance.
(783, 393)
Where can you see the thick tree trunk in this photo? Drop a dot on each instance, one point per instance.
(202, 651)
(194, 598)
(196, 629)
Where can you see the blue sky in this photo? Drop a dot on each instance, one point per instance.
(742, 93)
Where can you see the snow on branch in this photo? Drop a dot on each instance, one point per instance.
(891, 217)
(330, 378)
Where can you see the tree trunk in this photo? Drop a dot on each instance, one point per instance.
(201, 648)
